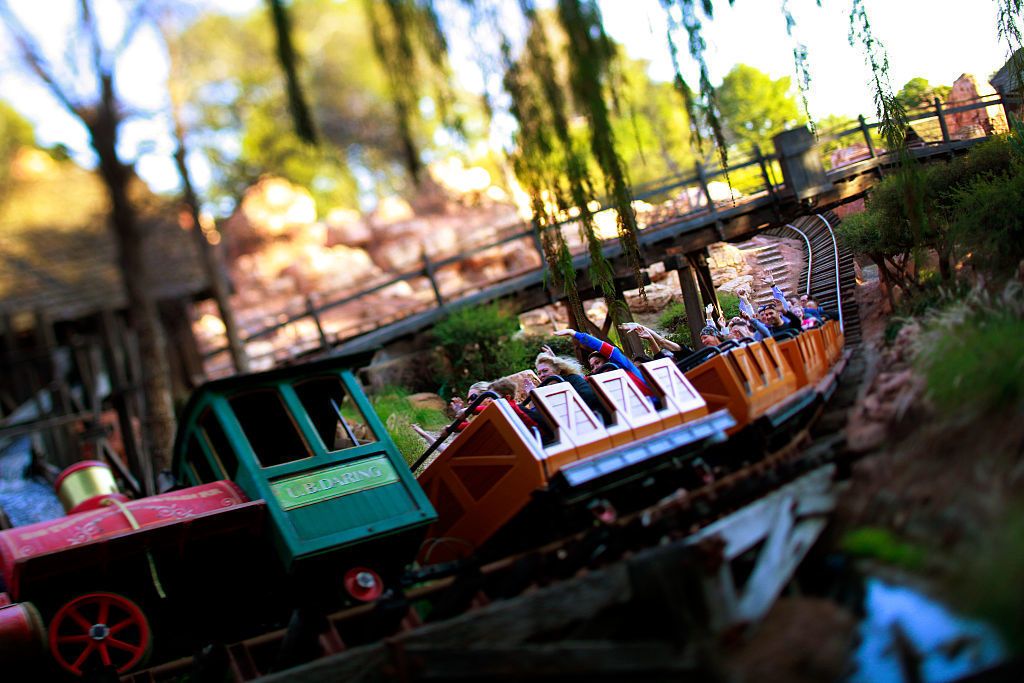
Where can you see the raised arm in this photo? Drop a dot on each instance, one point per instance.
(776, 292)
(662, 341)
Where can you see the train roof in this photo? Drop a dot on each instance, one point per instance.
(340, 360)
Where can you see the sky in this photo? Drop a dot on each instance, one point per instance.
(934, 39)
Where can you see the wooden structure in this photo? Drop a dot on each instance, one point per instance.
(647, 617)
(70, 373)
(677, 238)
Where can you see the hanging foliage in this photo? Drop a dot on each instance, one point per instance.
(591, 55)
(411, 46)
(892, 115)
(1008, 14)
(682, 14)
(893, 123)
(803, 73)
(550, 163)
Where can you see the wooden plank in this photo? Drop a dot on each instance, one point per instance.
(498, 624)
(746, 527)
(595, 660)
(776, 569)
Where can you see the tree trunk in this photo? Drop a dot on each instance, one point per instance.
(286, 58)
(884, 281)
(158, 423)
(211, 264)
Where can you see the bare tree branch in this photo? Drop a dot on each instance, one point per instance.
(35, 61)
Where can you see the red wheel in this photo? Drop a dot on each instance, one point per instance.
(99, 630)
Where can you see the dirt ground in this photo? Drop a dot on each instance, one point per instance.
(940, 486)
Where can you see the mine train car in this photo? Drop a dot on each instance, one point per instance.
(292, 496)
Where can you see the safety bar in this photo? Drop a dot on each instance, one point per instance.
(454, 426)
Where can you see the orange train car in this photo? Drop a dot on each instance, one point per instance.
(497, 470)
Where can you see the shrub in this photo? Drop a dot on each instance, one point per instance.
(917, 207)
(989, 222)
(673, 318)
(971, 355)
(673, 321)
(483, 343)
(475, 345)
(989, 584)
(730, 304)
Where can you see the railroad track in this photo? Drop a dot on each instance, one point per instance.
(822, 247)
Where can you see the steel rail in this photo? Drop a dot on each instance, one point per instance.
(835, 251)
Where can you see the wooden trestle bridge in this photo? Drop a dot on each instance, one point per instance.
(800, 199)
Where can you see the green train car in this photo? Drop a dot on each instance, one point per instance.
(305, 440)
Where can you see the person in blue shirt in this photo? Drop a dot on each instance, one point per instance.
(610, 352)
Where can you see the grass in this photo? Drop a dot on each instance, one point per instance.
(971, 354)
(881, 544)
(398, 413)
(673, 318)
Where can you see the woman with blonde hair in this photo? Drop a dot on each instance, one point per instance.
(549, 365)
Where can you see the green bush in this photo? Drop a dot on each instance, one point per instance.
(942, 206)
(971, 355)
(989, 584)
(482, 344)
(673, 321)
(730, 304)
(673, 318)
(989, 223)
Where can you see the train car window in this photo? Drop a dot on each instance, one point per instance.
(219, 445)
(200, 465)
(269, 427)
(336, 417)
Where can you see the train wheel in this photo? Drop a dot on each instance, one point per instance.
(99, 630)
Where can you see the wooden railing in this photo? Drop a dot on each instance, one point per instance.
(660, 190)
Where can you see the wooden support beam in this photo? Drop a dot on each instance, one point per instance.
(691, 298)
(113, 358)
(631, 344)
(704, 280)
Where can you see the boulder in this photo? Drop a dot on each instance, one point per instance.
(429, 400)
(658, 297)
(974, 122)
(345, 226)
(741, 282)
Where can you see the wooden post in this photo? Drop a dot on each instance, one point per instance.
(703, 180)
(942, 121)
(632, 345)
(428, 269)
(866, 132)
(64, 450)
(769, 185)
(704, 279)
(311, 311)
(691, 299)
(10, 367)
(113, 359)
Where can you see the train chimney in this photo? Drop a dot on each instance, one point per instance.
(86, 485)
